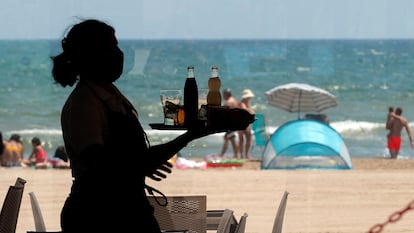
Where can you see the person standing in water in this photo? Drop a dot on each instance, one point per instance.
(396, 123)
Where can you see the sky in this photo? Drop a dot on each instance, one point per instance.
(213, 19)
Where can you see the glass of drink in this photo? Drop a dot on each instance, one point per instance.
(202, 103)
(202, 97)
(170, 100)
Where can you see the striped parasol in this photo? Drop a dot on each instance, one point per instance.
(300, 97)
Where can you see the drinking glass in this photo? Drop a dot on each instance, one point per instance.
(202, 103)
(202, 97)
(170, 99)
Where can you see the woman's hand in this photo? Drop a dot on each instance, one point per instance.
(222, 119)
(160, 172)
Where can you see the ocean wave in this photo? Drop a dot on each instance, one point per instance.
(56, 132)
(350, 126)
(347, 126)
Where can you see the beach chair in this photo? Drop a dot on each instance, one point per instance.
(242, 224)
(37, 214)
(278, 223)
(181, 213)
(260, 133)
(221, 221)
(39, 222)
(11, 207)
(227, 223)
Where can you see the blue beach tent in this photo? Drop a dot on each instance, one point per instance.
(260, 133)
(306, 144)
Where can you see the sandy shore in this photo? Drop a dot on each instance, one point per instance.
(319, 201)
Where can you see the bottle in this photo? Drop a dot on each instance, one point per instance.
(190, 99)
(214, 84)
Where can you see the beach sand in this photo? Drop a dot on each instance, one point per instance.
(319, 200)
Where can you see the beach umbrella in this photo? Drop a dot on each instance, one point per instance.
(300, 97)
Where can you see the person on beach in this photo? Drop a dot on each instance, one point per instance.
(245, 136)
(13, 152)
(317, 117)
(100, 128)
(395, 124)
(60, 159)
(229, 136)
(38, 156)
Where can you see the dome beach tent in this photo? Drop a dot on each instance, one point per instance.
(306, 144)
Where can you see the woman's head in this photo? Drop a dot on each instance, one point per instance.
(15, 137)
(90, 51)
(247, 94)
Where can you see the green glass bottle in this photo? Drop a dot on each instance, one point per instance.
(190, 99)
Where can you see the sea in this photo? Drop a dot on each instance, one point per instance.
(366, 76)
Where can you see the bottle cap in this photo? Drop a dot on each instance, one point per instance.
(190, 72)
(214, 71)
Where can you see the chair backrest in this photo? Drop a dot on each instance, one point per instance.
(221, 220)
(277, 225)
(11, 207)
(37, 214)
(227, 223)
(241, 227)
(181, 213)
(213, 219)
(40, 226)
(20, 182)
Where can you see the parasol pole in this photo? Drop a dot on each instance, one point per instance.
(300, 96)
